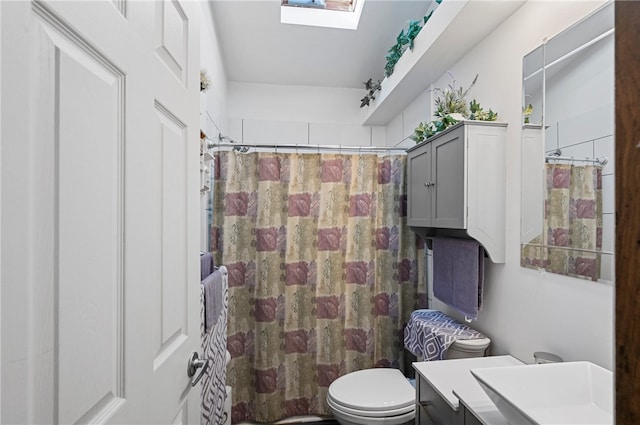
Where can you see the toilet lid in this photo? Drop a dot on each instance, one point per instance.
(378, 389)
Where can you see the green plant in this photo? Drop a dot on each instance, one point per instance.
(205, 82)
(371, 88)
(404, 40)
(431, 128)
(526, 112)
(452, 100)
(479, 114)
(451, 107)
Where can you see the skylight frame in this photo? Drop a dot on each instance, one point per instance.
(317, 17)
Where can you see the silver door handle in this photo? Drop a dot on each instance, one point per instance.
(194, 364)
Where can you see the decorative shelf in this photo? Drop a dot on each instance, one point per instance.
(455, 27)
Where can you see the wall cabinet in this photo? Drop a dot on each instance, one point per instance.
(456, 185)
(436, 185)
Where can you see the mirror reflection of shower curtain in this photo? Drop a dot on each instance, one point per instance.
(573, 220)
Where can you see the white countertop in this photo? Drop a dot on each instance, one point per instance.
(447, 376)
(482, 407)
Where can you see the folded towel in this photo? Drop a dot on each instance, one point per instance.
(458, 274)
(206, 265)
(430, 333)
(213, 298)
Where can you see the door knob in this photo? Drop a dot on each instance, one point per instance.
(195, 363)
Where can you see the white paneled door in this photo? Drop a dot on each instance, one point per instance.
(99, 177)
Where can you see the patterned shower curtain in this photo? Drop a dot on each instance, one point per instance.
(323, 273)
(572, 219)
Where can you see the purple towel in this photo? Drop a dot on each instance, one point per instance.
(206, 265)
(458, 274)
(213, 298)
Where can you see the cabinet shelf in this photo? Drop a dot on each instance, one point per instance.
(455, 27)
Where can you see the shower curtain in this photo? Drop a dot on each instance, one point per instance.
(323, 273)
(572, 219)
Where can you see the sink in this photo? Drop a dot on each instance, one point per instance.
(553, 393)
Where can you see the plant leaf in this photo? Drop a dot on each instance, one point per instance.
(427, 17)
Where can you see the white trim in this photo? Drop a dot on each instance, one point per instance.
(1, 285)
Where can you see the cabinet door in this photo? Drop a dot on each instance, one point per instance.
(448, 209)
(433, 409)
(418, 186)
(469, 418)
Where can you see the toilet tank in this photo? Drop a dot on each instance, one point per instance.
(466, 348)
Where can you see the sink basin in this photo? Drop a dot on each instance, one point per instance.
(554, 393)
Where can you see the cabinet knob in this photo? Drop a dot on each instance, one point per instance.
(426, 184)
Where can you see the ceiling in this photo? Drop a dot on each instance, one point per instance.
(257, 48)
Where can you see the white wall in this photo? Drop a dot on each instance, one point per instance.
(526, 311)
(213, 102)
(1, 364)
(280, 114)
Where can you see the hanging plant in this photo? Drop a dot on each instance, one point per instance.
(404, 40)
(371, 88)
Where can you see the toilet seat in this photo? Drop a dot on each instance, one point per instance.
(372, 393)
(347, 418)
(371, 414)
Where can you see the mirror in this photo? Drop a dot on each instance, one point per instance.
(568, 202)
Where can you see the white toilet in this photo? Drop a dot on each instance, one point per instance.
(382, 396)
(379, 396)
(465, 348)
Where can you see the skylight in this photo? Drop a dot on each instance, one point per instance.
(343, 14)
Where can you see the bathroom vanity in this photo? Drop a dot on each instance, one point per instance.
(447, 393)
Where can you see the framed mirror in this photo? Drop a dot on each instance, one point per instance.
(568, 199)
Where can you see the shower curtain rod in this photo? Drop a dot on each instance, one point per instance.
(599, 161)
(243, 147)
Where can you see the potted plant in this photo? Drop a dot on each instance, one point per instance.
(451, 108)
